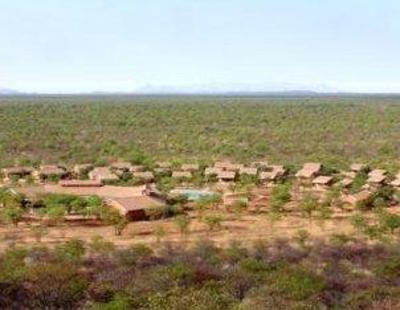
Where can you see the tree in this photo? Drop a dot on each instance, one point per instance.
(308, 205)
(324, 212)
(183, 223)
(238, 206)
(213, 222)
(100, 246)
(280, 195)
(113, 217)
(12, 214)
(301, 237)
(120, 225)
(9, 198)
(359, 222)
(54, 213)
(38, 231)
(388, 221)
(159, 232)
(55, 285)
(207, 201)
(72, 250)
(362, 225)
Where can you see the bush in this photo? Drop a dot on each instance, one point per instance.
(73, 250)
(55, 286)
(280, 195)
(213, 222)
(12, 214)
(308, 205)
(183, 223)
(255, 265)
(366, 298)
(119, 302)
(134, 254)
(298, 283)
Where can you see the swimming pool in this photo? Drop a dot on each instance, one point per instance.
(192, 194)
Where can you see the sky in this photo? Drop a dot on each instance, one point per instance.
(132, 45)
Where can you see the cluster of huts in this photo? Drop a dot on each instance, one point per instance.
(85, 178)
(222, 171)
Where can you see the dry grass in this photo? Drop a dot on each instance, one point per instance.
(245, 228)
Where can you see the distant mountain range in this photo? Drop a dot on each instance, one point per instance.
(7, 91)
(235, 88)
(273, 89)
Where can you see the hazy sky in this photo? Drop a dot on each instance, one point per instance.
(123, 45)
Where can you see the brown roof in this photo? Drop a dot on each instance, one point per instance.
(395, 182)
(226, 175)
(137, 168)
(231, 198)
(357, 167)
(259, 164)
(222, 164)
(377, 172)
(81, 168)
(17, 170)
(47, 170)
(247, 170)
(80, 183)
(361, 196)
(376, 178)
(226, 165)
(136, 203)
(322, 180)
(190, 167)
(162, 170)
(103, 174)
(277, 171)
(145, 175)
(309, 170)
(312, 166)
(212, 170)
(278, 168)
(181, 174)
(163, 164)
(121, 165)
(305, 174)
(235, 167)
(269, 175)
(346, 182)
(349, 174)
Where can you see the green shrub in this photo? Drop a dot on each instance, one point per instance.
(280, 195)
(72, 250)
(55, 286)
(255, 265)
(298, 283)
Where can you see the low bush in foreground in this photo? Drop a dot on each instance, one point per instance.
(277, 275)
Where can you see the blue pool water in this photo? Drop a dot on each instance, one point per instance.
(192, 194)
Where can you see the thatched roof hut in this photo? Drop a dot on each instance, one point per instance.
(190, 167)
(134, 208)
(248, 171)
(309, 170)
(323, 180)
(181, 174)
(103, 174)
(147, 176)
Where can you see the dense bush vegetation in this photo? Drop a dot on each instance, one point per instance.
(73, 129)
(279, 275)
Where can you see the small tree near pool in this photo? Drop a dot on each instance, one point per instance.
(112, 217)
